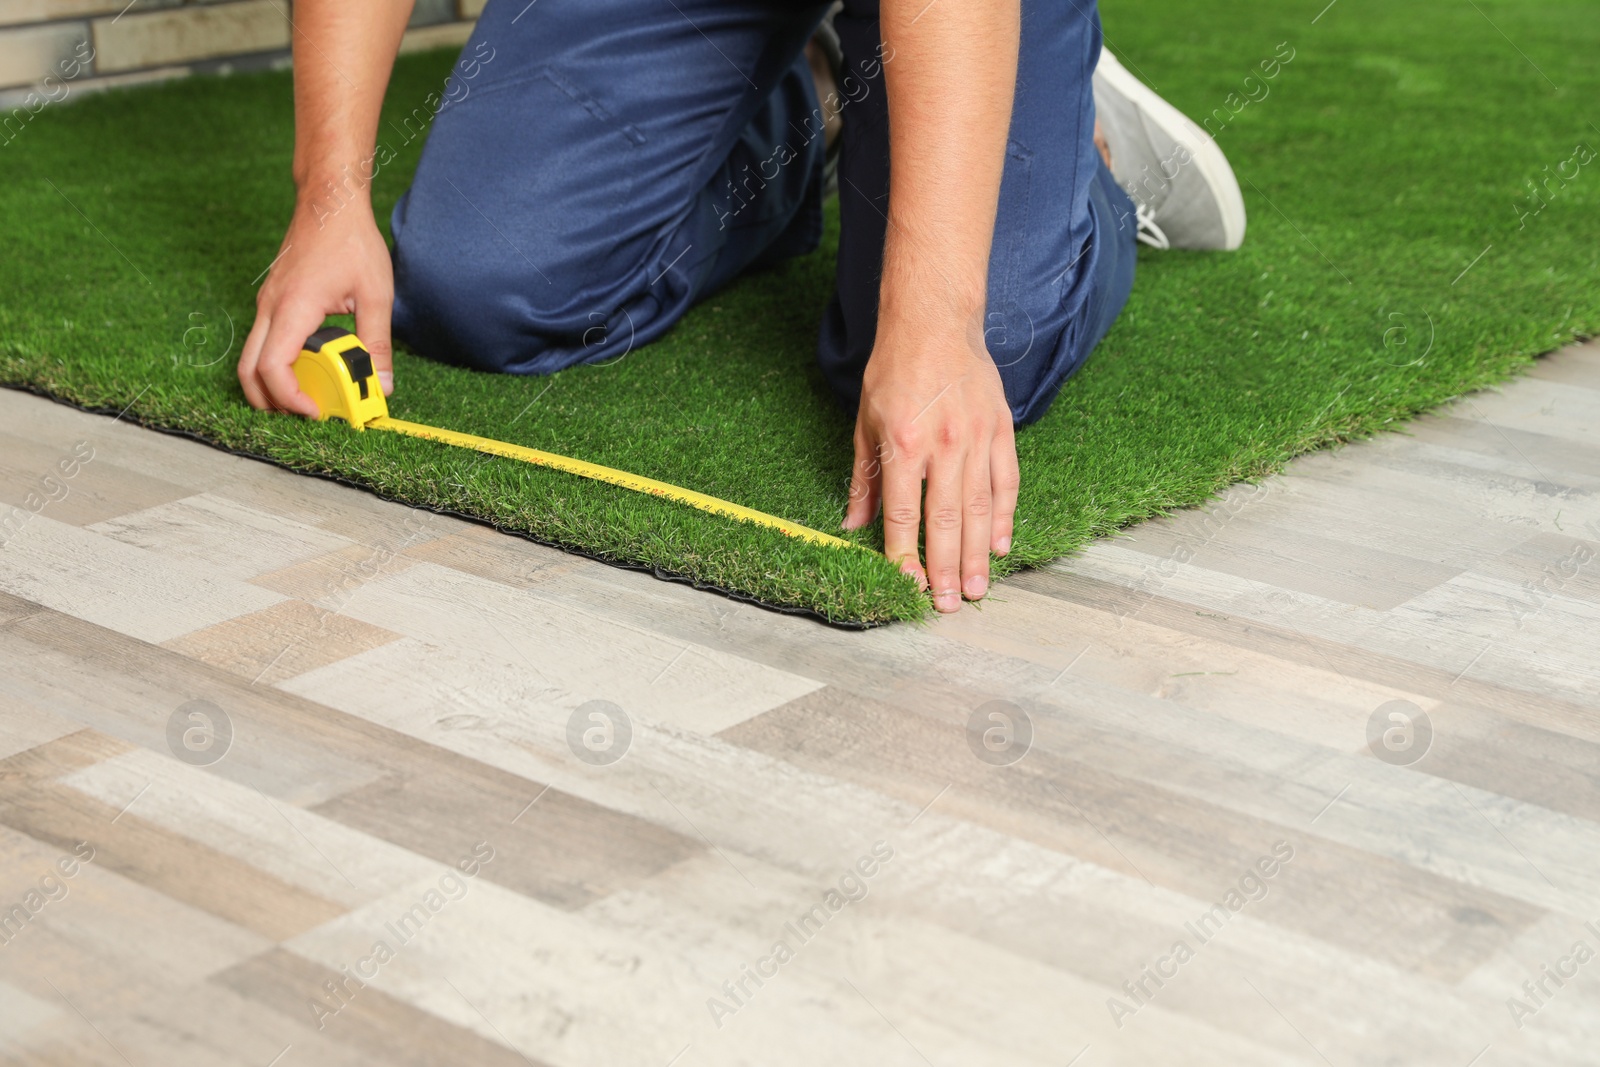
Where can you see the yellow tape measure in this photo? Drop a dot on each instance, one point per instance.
(336, 371)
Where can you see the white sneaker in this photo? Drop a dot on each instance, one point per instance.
(1179, 179)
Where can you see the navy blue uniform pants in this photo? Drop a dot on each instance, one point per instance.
(615, 161)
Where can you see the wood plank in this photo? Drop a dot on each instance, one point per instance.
(1064, 796)
(378, 1027)
(302, 848)
(149, 595)
(1293, 559)
(497, 557)
(230, 538)
(359, 517)
(170, 458)
(96, 488)
(1288, 639)
(120, 687)
(580, 655)
(1498, 460)
(198, 1024)
(34, 803)
(1575, 367)
(109, 943)
(329, 580)
(567, 848)
(552, 846)
(279, 642)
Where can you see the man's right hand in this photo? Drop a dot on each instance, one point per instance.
(333, 261)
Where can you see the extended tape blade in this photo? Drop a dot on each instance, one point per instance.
(611, 475)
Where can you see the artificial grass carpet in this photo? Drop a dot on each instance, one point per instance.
(1394, 259)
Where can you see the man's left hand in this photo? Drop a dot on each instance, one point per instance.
(933, 411)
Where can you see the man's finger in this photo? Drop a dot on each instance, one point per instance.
(1005, 478)
(977, 502)
(865, 476)
(942, 519)
(249, 358)
(901, 484)
(287, 336)
(373, 309)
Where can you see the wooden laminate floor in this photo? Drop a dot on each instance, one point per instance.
(292, 776)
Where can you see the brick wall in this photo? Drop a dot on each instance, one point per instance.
(89, 44)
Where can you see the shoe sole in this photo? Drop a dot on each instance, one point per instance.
(1205, 155)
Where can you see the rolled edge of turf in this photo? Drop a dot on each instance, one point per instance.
(660, 573)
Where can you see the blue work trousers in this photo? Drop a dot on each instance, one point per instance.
(612, 162)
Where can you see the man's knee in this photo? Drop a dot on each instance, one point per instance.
(506, 314)
(458, 306)
(1045, 336)
(1030, 343)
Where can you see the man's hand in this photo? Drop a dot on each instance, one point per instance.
(932, 406)
(932, 409)
(337, 264)
(333, 260)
